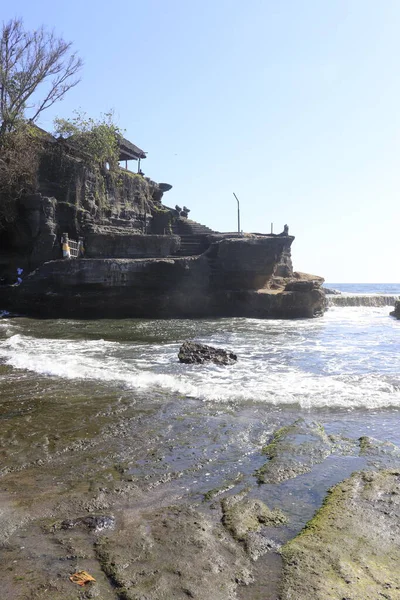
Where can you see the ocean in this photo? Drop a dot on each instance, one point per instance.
(78, 398)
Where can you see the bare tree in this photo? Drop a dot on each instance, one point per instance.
(29, 60)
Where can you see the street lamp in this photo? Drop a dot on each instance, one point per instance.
(237, 200)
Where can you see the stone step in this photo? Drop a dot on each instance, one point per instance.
(187, 226)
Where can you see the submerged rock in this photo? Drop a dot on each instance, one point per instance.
(350, 549)
(293, 450)
(193, 353)
(331, 291)
(243, 515)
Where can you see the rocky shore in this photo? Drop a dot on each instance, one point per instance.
(119, 498)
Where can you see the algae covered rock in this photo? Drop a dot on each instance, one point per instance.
(293, 450)
(243, 515)
(350, 549)
(377, 449)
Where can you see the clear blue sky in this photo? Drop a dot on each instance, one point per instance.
(293, 104)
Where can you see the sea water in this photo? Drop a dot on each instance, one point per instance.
(348, 359)
(118, 387)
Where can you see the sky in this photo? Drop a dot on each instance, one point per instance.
(292, 104)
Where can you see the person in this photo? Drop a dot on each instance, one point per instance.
(66, 250)
(81, 249)
(19, 273)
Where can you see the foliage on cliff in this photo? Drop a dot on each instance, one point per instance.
(19, 160)
(95, 139)
(36, 70)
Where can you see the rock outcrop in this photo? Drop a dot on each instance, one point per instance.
(192, 353)
(142, 259)
(234, 277)
(396, 312)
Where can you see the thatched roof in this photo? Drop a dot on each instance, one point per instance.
(128, 151)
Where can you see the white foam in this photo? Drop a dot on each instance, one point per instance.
(348, 359)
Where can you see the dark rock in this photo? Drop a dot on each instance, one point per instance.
(302, 286)
(129, 244)
(193, 353)
(233, 278)
(165, 187)
(396, 312)
(331, 291)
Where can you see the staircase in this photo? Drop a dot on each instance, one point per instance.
(193, 237)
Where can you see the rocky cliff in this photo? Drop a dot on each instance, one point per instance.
(74, 198)
(234, 277)
(142, 259)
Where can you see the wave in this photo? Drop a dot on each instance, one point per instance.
(367, 300)
(311, 373)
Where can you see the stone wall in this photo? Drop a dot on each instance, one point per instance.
(130, 245)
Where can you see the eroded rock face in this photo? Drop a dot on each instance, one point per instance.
(193, 353)
(350, 548)
(302, 285)
(187, 287)
(174, 552)
(130, 245)
(396, 312)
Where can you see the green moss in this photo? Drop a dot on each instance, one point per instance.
(270, 449)
(243, 515)
(347, 550)
(365, 444)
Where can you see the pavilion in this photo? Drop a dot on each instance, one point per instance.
(128, 151)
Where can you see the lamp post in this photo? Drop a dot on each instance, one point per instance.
(237, 200)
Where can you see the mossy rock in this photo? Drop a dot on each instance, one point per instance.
(350, 548)
(243, 515)
(293, 450)
(372, 447)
